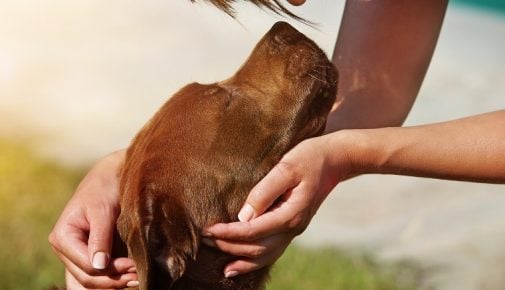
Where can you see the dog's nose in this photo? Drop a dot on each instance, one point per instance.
(281, 26)
(284, 33)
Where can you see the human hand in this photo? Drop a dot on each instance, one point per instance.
(281, 205)
(82, 237)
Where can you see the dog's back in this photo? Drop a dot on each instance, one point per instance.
(194, 163)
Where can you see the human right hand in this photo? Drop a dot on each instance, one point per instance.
(282, 204)
(82, 236)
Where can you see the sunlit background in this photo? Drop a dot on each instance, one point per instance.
(85, 75)
(79, 78)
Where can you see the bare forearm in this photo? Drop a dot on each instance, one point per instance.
(471, 149)
(382, 53)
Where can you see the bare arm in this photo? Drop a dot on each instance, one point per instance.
(382, 53)
(82, 237)
(469, 149)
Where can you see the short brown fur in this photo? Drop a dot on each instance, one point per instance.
(196, 160)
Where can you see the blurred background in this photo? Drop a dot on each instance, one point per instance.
(79, 78)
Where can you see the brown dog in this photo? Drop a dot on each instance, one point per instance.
(195, 162)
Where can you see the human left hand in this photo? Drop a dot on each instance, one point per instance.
(83, 236)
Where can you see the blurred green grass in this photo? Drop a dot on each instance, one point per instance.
(329, 268)
(33, 191)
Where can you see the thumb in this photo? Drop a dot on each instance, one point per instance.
(277, 182)
(101, 230)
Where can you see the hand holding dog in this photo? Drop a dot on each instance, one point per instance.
(82, 237)
(305, 175)
(283, 203)
(281, 206)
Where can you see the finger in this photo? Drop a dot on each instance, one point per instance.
(70, 244)
(122, 265)
(102, 220)
(252, 250)
(278, 181)
(281, 219)
(79, 277)
(117, 266)
(72, 284)
(243, 266)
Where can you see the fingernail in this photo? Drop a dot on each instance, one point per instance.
(132, 284)
(100, 260)
(246, 213)
(208, 242)
(230, 274)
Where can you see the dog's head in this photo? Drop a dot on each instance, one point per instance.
(200, 155)
(288, 75)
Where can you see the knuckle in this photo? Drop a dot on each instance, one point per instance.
(288, 170)
(285, 168)
(51, 238)
(55, 238)
(105, 210)
(96, 239)
(250, 234)
(256, 252)
(297, 223)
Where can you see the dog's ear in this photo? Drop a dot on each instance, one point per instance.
(135, 242)
(162, 242)
(171, 239)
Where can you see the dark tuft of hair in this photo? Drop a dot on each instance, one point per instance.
(273, 5)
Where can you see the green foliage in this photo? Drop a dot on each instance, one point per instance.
(33, 192)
